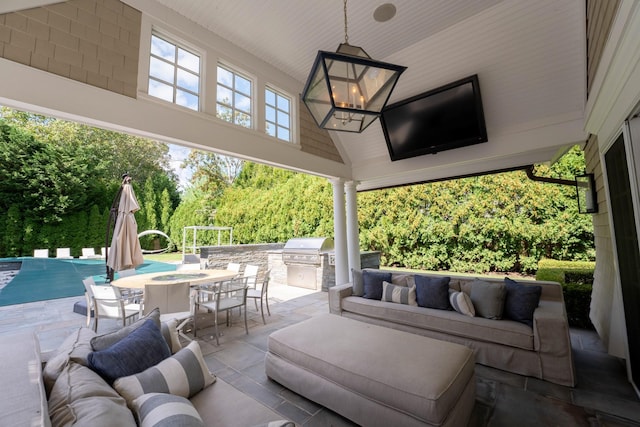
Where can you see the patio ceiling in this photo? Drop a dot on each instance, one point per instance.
(530, 58)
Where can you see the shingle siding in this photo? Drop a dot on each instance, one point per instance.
(314, 140)
(91, 41)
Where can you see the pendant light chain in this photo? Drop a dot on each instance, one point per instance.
(346, 37)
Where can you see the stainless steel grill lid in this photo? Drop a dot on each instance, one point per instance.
(314, 244)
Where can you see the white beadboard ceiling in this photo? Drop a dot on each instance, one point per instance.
(530, 57)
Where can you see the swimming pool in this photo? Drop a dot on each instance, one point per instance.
(41, 279)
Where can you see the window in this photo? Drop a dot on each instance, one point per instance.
(278, 115)
(233, 99)
(174, 73)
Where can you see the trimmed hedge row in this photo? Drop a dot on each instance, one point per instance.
(576, 278)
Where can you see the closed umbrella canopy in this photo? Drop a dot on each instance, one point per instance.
(125, 251)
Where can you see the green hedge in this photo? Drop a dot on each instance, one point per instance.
(576, 278)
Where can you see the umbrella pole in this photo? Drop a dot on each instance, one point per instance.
(113, 216)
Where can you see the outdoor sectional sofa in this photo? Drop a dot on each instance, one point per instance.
(67, 390)
(535, 344)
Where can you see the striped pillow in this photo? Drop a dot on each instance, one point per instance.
(461, 302)
(399, 294)
(183, 374)
(165, 410)
(170, 333)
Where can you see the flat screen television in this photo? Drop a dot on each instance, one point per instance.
(441, 119)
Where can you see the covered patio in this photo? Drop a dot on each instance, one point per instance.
(553, 74)
(603, 396)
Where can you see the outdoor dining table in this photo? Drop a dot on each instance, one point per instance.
(196, 277)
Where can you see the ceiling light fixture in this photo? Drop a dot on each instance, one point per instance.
(347, 90)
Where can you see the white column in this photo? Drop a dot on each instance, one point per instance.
(339, 231)
(353, 238)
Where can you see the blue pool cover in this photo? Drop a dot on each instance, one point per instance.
(50, 278)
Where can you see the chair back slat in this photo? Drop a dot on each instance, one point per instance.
(251, 272)
(233, 266)
(171, 298)
(106, 301)
(231, 293)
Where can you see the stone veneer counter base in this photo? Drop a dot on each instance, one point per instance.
(372, 375)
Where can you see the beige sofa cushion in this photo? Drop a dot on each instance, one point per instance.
(76, 347)
(426, 379)
(81, 397)
(221, 404)
(507, 332)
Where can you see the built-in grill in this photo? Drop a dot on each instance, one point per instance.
(305, 258)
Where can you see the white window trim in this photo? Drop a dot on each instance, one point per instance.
(254, 100)
(182, 45)
(286, 95)
(294, 130)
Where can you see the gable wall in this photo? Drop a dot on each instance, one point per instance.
(97, 42)
(90, 41)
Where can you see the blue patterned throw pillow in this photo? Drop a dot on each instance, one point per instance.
(141, 349)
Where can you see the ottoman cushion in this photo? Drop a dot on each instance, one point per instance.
(410, 373)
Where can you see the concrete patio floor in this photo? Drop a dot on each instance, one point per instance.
(603, 396)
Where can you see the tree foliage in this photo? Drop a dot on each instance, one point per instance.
(272, 205)
(213, 173)
(502, 222)
(60, 178)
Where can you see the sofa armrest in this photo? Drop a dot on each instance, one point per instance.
(336, 293)
(551, 328)
(552, 341)
(24, 401)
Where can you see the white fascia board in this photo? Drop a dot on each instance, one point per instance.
(501, 152)
(38, 91)
(457, 170)
(8, 6)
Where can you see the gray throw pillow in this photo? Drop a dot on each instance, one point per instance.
(104, 341)
(521, 301)
(432, 292)
(488, 298)
(358, 285)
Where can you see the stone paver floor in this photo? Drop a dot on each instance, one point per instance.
(603, 396)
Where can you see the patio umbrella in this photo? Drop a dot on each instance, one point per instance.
(125, 251)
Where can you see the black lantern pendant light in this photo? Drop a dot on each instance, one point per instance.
(347, 90)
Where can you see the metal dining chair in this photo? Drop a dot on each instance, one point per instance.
(227, 295)
(261, 294)
(234, 266)
(107, 302)
(251, 273)
(131, 295)
(175, 301)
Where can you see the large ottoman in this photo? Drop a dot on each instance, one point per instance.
(372, 375)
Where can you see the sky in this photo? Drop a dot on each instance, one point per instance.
(178, 154)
